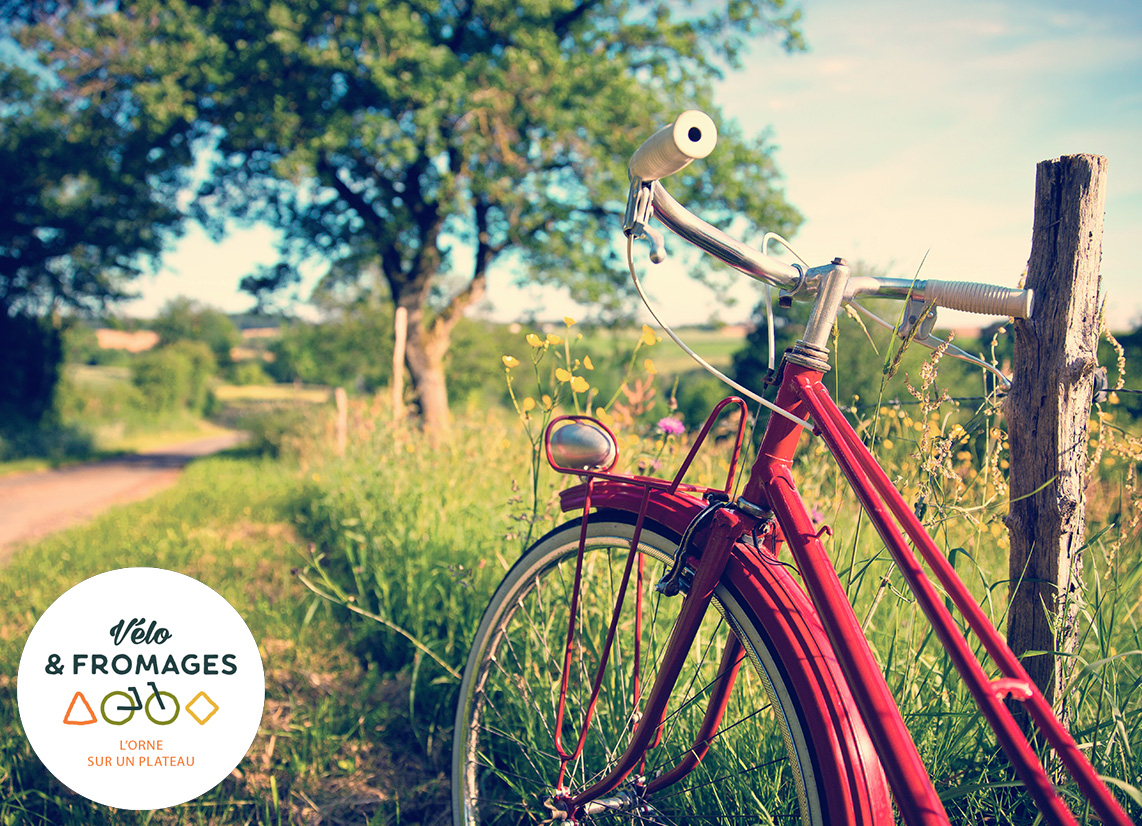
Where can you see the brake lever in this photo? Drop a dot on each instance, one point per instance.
(925, 338)
(636, 220)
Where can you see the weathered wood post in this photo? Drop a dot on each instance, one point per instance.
(400, 339)
(1047, 414)
(342, 434)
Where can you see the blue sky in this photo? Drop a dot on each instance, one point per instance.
(907, 129)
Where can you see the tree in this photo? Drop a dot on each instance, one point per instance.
(391, 135)
(88, 194)
(184, 319)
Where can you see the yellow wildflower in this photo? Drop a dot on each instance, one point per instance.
(528, 404)
(547, 403)
(534, 340)
(648, 336)
(579, 384)
(568, 320)
(562, 374)
(587, 363)
(649, 365)
(510, 362)
(554, 340)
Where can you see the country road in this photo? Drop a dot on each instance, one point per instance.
(34, 505)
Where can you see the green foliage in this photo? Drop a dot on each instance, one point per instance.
(354, 349)
(80, 343)
(248, 373)
(697, 394)
(473, 364)
(858, 353)
(175, 377)
(87, 193)
(1116, 354)
(88, 190)
(99, 395)
(184, 319)
(227, 524)
(375, 136)
(277, 430)
(29, 369)
(410, 535)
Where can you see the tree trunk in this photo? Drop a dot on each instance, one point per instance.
(1047, 412)
(424, 352)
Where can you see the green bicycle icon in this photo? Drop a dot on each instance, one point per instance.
(167, 711)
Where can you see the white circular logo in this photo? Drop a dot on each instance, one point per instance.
(140, 688)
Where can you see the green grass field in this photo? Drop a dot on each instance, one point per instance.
(330, 744)
(410, 539)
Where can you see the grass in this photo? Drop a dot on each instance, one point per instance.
(715, 346)
(272, 393)
(330, 745)
(393, 536)
(408, 540)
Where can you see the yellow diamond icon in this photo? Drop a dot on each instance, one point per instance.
(202, 700)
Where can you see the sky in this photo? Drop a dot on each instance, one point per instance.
(907, 135)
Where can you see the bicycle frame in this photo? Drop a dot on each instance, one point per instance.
(769, 496)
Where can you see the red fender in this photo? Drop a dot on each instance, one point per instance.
(847, 764)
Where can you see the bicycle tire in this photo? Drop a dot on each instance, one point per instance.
(504, 767)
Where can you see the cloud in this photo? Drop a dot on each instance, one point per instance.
(909, 127)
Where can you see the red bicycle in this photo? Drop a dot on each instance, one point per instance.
(600, 685)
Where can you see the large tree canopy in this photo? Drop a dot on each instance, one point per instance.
(87, 193)
(382, 135)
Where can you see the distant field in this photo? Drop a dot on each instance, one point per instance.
(271, 393)
(715, 346)
(87, 375)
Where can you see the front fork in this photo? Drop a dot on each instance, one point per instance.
(727, 528)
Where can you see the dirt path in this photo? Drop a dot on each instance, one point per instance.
(34, 505)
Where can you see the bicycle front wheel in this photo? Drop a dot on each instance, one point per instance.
(759, 767)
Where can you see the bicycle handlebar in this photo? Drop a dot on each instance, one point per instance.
(987, 299)
(692, 136)
(708, 238)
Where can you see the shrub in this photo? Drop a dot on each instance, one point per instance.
(175, 377)
(248, 373)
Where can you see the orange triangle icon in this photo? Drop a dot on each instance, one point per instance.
(78, 721)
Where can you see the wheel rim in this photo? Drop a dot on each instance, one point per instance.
(509, 766)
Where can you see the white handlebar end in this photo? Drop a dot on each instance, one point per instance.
(693, 135)
(987, 299)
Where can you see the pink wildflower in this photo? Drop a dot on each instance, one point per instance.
(671, 427)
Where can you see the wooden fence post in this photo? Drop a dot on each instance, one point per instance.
(342, 435)
(400, 339)
(1047, 414)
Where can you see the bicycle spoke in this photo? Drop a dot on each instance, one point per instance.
(721, 779)
(514, 767)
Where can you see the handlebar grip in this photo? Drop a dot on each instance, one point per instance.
(980, 298)
(693, 135)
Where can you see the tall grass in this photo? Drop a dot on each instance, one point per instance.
(414, 537)
(329, 746)
(404, 540)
